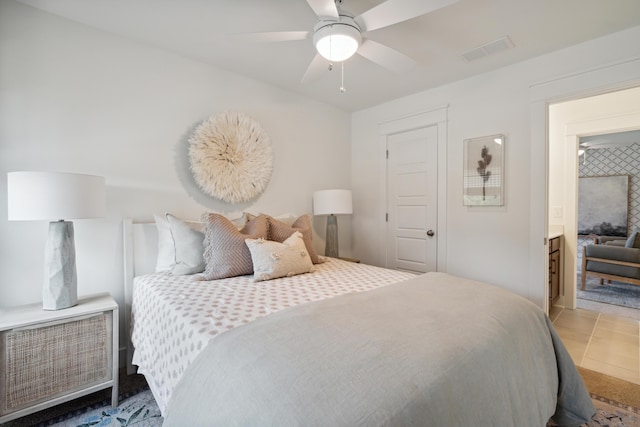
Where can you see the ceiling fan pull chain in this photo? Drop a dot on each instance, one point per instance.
(342, 89)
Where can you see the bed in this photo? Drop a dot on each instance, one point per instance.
(347, 344)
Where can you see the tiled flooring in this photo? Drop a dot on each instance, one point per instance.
(600, 341)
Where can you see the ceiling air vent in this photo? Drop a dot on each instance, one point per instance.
(498, 45)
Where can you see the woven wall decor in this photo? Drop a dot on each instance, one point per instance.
(231, 157)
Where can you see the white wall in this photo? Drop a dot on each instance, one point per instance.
(76, 99)
(491, 244)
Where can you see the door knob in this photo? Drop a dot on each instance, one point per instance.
(430, 233)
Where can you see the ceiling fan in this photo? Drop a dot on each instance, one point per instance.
(598, 142)
(605, 143)
(338, 35)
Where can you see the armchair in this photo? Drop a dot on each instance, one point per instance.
(613, 261)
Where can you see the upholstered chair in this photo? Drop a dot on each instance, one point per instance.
(612, 260)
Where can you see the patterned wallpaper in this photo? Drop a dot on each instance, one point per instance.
(615, 161)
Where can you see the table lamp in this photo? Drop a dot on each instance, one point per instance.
(54, 196)
(332, 203)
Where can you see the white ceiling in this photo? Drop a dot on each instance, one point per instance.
(207, 30)
(610, 140)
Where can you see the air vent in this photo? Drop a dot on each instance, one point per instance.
(498, 45)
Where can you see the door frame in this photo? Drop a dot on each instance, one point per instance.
(435, 117)
(608, 78)
(611, 124)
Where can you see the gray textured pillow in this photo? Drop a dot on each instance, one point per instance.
(225, 251)
(188, 245)
(633, 241)
(272, 260)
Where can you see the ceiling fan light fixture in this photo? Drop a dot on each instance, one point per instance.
(337, 41)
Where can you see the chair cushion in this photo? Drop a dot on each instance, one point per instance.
(633, 241)
(611, 240)
(617, 253)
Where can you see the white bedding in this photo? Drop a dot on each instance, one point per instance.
(434, 350)
(174, 317)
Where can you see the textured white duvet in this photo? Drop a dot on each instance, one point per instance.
(174, 317)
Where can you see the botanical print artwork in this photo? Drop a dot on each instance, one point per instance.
(483, 171)
(483, 181)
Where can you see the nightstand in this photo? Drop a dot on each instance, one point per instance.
(50, 357)
(349, 259)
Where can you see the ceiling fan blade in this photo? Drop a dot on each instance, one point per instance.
(386, 56)
(324, 8)
(394, 11)
(276, 36)
(597, 144)
(318, 66)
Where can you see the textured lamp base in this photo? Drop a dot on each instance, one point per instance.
(331, 243)
(60, 289)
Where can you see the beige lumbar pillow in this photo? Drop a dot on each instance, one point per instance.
(274, 259)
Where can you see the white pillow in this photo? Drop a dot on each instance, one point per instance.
(188, 246)
(181, 242)
(172, 234)
(273, 259)
(166, 251)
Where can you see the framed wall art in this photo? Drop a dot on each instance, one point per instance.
(603, 205)
(483, 180)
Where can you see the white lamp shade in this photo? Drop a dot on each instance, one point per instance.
(337, 42)
(54, 196)
(332, 202)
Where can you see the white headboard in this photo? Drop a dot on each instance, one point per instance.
(140, 241)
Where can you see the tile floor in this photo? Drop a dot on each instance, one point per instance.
(601, 339)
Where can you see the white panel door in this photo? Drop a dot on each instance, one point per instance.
(412, 189)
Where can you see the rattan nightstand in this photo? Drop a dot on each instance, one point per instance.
(50, 357)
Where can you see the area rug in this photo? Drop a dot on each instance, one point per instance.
(618, 293)
(617, 404)
(139, 410)
(608, 415)
(617, 401)
(130, 386)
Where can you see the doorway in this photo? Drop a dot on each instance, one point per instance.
(569, 121)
